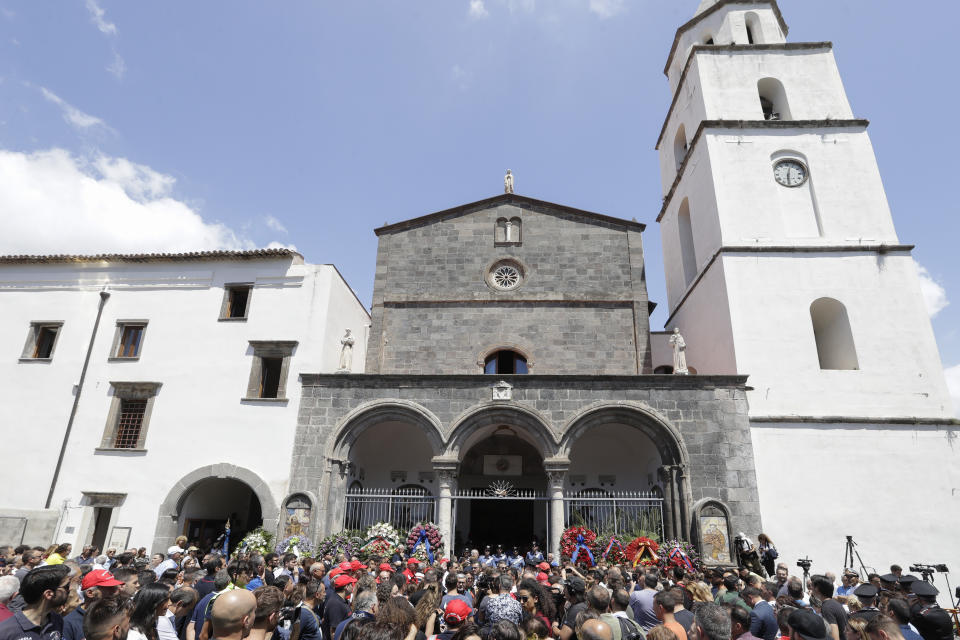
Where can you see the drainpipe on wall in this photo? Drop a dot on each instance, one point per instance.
(104, 296)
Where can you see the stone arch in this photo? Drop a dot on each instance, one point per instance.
(480, 421)
(166, 531)
(352, 426)
(665, 436)
(490, 349)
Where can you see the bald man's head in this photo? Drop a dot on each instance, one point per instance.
(596, 630)
(233, 614)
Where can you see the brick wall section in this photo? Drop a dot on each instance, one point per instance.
(571, 262)
(709, 411)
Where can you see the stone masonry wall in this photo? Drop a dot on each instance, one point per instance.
(710, 413)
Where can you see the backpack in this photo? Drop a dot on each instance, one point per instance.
(630, 630)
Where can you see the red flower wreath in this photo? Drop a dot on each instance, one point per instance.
(568, 545)
(647, 550)
(617, 551)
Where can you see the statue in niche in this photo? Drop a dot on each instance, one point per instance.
(346, 352)
(679, 353)
(508, 231)
(508, 184)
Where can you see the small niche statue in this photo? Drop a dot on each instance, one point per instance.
(346, 353)
(679, 353)
(508, 182)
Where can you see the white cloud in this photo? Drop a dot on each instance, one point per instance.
(934, 295)
(54, 202)
(953, 384)
(97, 15)
(275, 224)
(606, 8)
(521, 5)
(74, 117)
(477, 10)
(281, 245)
(118, 67)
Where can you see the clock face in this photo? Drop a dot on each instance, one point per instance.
(790, 173)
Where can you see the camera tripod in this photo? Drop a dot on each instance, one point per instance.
(850, 550)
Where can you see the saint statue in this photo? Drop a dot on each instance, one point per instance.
(679, 353)
(346, 352)
(508, 182)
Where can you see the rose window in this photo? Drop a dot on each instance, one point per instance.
(505, 276)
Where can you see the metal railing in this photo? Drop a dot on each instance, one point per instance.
(402, 508)
(621, 512)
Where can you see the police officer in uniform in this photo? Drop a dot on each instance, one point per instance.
(534, 557)
(867, 595)
(499, 556)
(931, 621)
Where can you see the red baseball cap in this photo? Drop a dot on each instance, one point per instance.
(543, 566)
(457, 611)
(356, 566)
(386, 567)
(334, 572)
(444, 559)
(342, 581)
(345, 566)
(542, 577)
(99, 578)
(413, 561)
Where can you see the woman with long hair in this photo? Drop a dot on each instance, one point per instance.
(425, 613)
(149, 604)
(536, 601)
(768, 554)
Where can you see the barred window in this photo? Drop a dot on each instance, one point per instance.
(129, 424)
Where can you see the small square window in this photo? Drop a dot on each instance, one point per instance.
(236, 301)
(270, 369)
(41, 341)
(131, 336)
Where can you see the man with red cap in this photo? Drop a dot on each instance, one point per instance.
(412, 565)
(383, 572)
(97, 584)
(336, 609)
(456, 613)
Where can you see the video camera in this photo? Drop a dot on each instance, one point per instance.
(927, 570)
(288, 614)
(804, 563)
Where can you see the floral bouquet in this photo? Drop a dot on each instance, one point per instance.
(346, 542)
(643, 551)
(382, 539)
(257, 541)
(297, 545)
(679, 553)
(424, 542)
(612, 549)
(579, 545)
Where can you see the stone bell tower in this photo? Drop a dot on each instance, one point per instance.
(781, 257)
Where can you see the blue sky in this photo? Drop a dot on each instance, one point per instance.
(129, 126)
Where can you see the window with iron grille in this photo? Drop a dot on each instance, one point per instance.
(129, 424)
(129, 416)
(41, 341)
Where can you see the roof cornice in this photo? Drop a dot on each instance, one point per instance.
(505, 198)
(750, 124)
(193, 256)
(731, 48)
(709, 12)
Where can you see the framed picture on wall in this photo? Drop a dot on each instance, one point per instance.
(119, 539)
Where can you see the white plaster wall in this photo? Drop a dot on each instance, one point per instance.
(697, 186)
(726, 26)
(704, 322)
(810, 79)
(749, 200)
(770, 296)
(894, 488)
(198, 418)
(689, 111)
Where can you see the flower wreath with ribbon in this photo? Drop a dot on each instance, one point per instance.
(613, 549)
(579, 544)
(643, 551)
(424, 542)
(381, 540)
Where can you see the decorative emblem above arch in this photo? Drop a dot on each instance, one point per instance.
(481, 421)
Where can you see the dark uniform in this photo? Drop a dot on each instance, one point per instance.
(866, 592)
(931, 621)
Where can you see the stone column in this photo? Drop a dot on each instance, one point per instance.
(446, 472)
(666, 477)
(683, 504)
(337, 472)
(556, 476)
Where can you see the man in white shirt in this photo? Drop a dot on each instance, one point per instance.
(174, 555)
(181, 604)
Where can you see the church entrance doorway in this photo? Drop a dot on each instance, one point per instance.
(501, 497)
(210, 504)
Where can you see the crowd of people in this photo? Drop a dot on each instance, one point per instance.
(45, 594)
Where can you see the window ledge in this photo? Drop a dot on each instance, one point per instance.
(46, 360)
(508, 244)
(122, 359)
(113, 450)
(244, 319)
(265, 400)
